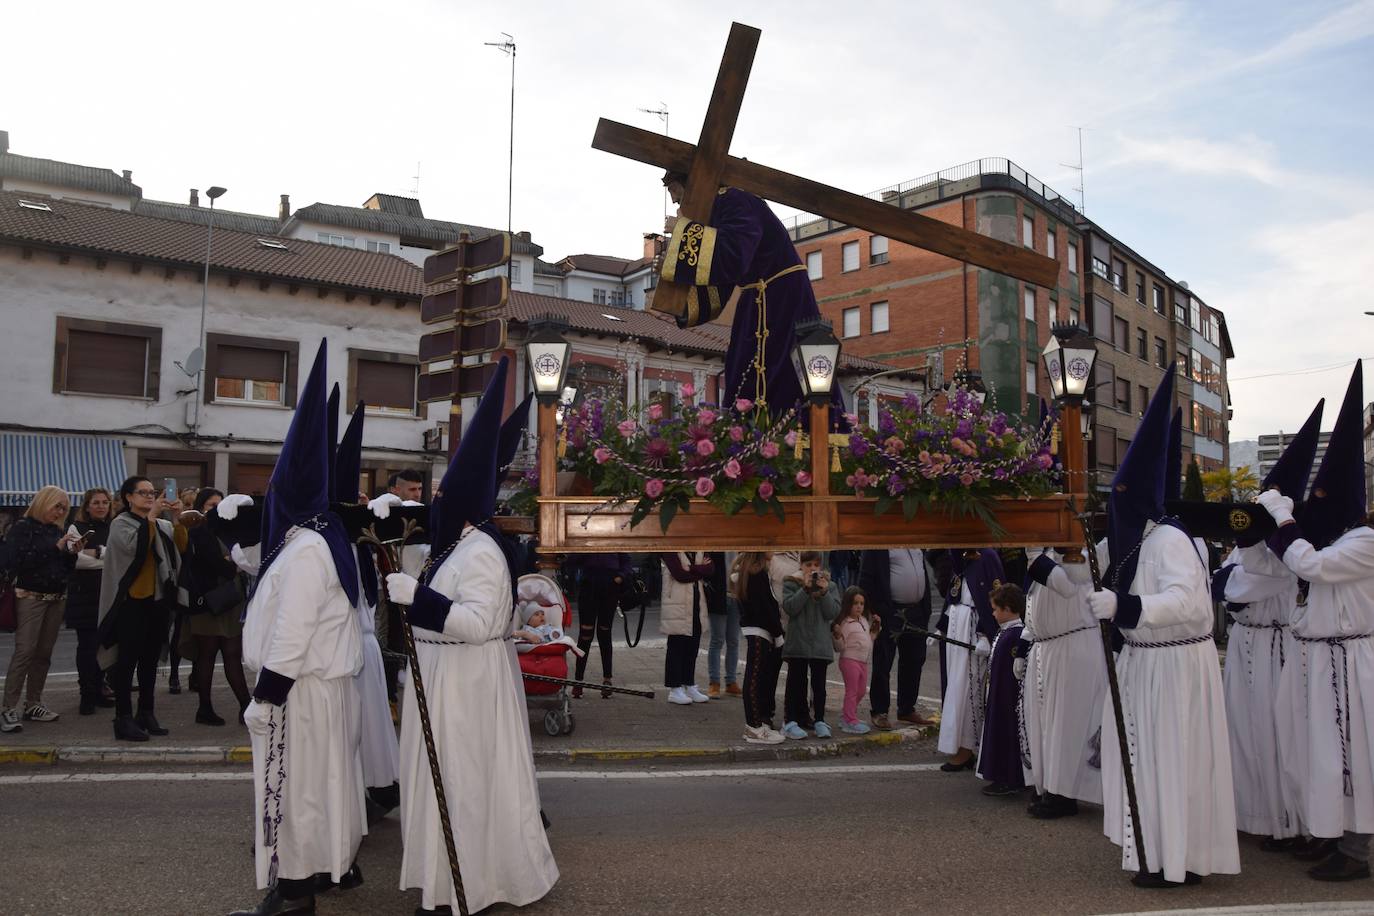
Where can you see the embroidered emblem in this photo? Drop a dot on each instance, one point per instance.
(691, 243)
(1240, 520)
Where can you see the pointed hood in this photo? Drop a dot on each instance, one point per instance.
(1337, 500)
(1137, 494)
(508, 442)
(348, 467)
(332, 423)
(1173, 468)
(299, 489)
(467, 493)
(1294, 467)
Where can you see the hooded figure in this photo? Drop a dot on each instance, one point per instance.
(1332, 550)
(1159, 596)
(1267, 718)
(301, 636)
(463, 617)
(968, 618)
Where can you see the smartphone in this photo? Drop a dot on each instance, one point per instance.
(169, 489)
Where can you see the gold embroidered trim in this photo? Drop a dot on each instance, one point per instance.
(670, 257)
(703, 259)
(692, 316)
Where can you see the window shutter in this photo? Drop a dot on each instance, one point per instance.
(258, 363)
(387, 385)
(101, 363)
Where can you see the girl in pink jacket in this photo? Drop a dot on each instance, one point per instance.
(853, 634)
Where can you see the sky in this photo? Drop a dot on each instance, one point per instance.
(1223, 141)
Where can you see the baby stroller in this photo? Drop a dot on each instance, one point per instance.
(550, 658)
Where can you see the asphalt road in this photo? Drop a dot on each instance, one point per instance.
(888, 834)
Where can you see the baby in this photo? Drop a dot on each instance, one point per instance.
(535, 630)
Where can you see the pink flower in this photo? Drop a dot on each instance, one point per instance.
(688, 389)
(737, 434)
(627, 428)
(893, 445)
(656, 450)
(732, 469)
(769, 449)
(966, 478)
(705, 447)
(743, 405)
(706, 416)
(602, 455)
(790, 438)
(655, 411)
(1044, 460)
(803, 478)
(765, 490)
(653, 488)
(705, 486)
(923, 457)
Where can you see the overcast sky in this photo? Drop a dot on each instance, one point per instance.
(1228, 142)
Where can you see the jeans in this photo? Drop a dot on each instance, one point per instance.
(90, 678)
(724, 632)
(910, 653)
(37, 623)
(140, 631)
(763, 662)
(596, 606)
(794, 693)
(855, 674)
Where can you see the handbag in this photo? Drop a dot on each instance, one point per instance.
(633, 594)
(223, 597)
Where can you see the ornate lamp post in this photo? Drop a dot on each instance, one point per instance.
(1069, 358)
(547, 354)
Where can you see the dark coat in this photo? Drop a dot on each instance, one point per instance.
(999, 757)
(32, 554)
(875, 578)
(204, 566)
(83, 591)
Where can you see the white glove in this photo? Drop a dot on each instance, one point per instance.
(931, 642)
(400, 588)
(1277, 505)
(983, 649)
(257, 717)
(242, 559)
(410, 503)
(381, 506)
(1103, 604)
(1033, 553)
(228, 507)
(1018, 668)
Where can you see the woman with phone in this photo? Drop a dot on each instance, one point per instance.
(83, 596)
(217, 597)
(43, 557)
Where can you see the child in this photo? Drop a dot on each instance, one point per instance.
(760, 622)
(535, 630)
(811, 602)
(853, 634)
(999, 754)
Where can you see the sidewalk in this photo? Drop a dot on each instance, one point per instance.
(623, 728)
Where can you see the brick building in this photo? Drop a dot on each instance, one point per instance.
(898, 304)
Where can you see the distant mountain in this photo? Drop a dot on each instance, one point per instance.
(1245, 451)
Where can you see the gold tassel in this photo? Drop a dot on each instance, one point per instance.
(1054, 439)
(801, 444)
(834, 459)
(563, 442)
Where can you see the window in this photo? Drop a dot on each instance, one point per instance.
(104, 357)
(514, 271)
(877, 318)
(1121, 334)
(877, 250)
(1031, 373)
(599, 296)
(384, 247)
(849, 256)
(1214, 325)
(36, 205)
(1181, 310)
(1049, 244)
(1102, 319)
(1105, 374)
(617, 297)
(1142, 343)
(813, 265)
(1028, 231)
(249, 375)
(1073, 258)
(1159, 299)
(1119, 274)
(1144, 392)
(1028, 299)
(1074, 316)
(851, 323)
(1195, 312)
(1184, 362)
(385, 382)
(1100, 268)
(328, 238)
(1196, 374)
(1104, 442)
(1161, 353)
(1140, 287)
(1123, 395)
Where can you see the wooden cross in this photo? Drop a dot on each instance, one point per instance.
(708, 165)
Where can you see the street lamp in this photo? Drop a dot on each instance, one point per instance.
(197, 357)
(816, 357)
(546, 354)
(1069, 360)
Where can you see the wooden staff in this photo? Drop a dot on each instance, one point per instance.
(1126, 769)
(566, 682)
(943, 638)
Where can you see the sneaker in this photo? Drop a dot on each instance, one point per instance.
(713, 690)
(882, 722)
(695, 694)
(822, 730)
(733, 690)
(794, 731)
(855, 728)
(679, 696)
(37, 712)
(9, 721)
(762, 735)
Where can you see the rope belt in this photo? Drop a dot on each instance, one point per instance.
(1039, 638)
(761, 331)
(1275, 640)
(459, 642)
(1339, 688)
(1190, 641)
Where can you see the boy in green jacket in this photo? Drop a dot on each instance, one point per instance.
(812, 603)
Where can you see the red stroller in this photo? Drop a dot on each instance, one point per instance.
(549, 658)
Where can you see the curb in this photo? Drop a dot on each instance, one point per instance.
(812, 750)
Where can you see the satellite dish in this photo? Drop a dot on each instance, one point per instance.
(195, 362)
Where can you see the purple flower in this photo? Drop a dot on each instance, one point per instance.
(768, 470)
(964, 428)
(911, 401)
(887, 426)
(656, 450)
(858, 445)
(895, 485)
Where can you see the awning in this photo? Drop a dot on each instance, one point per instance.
(29, 462)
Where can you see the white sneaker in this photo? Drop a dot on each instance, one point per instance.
(679, 696)
(696, 695)
(37, 712)
(9, 721)
(762, 735)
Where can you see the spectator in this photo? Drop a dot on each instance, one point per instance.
(854, 633)
(811, 602)
(185, 500)
(216, 626)
(42, 557)
(407, 484)
(139, 586)
(683, 617)
(724, 611)
(603, 581)
(83, 598)
(897, 586)
(761, 624)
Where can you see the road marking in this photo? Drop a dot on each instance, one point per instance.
(1263, 909)
(715, 773)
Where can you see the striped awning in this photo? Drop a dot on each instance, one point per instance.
(30, 461)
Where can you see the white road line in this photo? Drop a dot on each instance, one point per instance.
(715, 773)
(1263, 909)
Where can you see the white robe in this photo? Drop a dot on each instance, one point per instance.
(1064, 687)
(300, 624)
(966, 674)
(1340, 605)
(1257, 650)
(481, 733)
(1175, 717)
(381, 756)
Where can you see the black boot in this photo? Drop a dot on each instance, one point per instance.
(441, 910)
(1315, 850)
(1274, 844)
(274, 904)
(1053, 806)
(127, 729)
(148, 722)
(349, 880)
(87, 707)
(1340, 867)
(174, 684)
(387, 798)
(205, 715)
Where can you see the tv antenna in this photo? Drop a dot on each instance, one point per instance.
(662, 113)
(1082, 196)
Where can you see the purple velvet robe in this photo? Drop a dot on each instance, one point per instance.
(999, 756)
